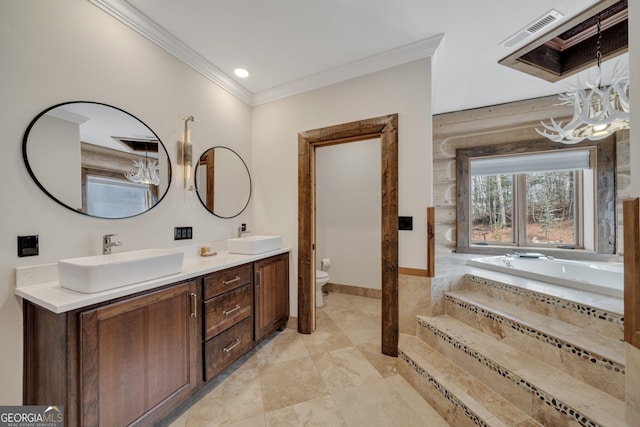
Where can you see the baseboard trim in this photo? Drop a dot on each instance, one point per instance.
(413, 272)
(292, 323)
(354, 290)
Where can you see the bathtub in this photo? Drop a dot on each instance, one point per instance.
(601, 277)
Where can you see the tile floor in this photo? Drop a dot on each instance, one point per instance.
(333, 377)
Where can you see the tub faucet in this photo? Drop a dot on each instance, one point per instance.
(107, 244)
(508, 258)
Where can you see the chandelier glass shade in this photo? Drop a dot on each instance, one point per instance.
(147, 172)
(597, 111)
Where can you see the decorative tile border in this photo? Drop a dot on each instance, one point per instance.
(551, 300)
(505, 373)
(541, 336)
(479, 357)
(442, 389)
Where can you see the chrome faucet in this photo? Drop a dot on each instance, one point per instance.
(508, 258)
(242, 230)
(107, 244)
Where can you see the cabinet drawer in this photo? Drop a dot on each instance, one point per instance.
(226, 310)
(223, 281)
(226, 348)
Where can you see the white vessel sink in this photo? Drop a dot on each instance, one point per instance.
(252, 245)
(103, 272)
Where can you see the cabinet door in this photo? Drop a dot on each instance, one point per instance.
(138, 358)
(272, 294)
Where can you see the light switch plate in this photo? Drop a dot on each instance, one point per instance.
(28, 246)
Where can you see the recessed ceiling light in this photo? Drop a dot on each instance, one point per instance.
(241, 72)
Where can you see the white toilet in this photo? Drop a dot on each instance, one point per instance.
(322, 277)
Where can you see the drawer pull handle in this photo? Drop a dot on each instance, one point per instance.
(228, 312)
(235, 344)
(194, 305)
(259, 279)
(227, 282)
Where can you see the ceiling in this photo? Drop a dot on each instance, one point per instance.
(291, 46)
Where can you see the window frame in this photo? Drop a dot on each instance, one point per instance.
(151, 199)
(520, 211)
(603, 166)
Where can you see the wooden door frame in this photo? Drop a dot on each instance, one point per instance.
(631, 222)
(385, 128)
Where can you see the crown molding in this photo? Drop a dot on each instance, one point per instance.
(126, 13)
(123, 11)
(391, 58)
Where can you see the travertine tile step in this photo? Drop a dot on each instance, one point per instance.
(602, 302)
(544, 382)
(595, 359)
(606, 347)
(598, 313)
(459, 397)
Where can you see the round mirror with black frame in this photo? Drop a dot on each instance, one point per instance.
(223, 182)
(96, 159)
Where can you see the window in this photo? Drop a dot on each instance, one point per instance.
(531, 199)
(116, 198)
(108, 194)
(536, 194)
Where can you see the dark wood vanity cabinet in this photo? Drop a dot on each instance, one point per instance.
(242, 306)
(130, 362)
(138, 357)
(134, 360)
(228, 311)
(271, 276)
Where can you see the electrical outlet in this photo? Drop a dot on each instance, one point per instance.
(182, 233)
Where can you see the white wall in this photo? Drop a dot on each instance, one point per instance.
(52, 143)
(348, 213)
(405, 90)
(67, 50)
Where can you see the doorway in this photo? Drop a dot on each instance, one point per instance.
(385, 128)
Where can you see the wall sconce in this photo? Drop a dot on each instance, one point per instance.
(185, 152)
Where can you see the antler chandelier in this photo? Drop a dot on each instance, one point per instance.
(597, 111)
(147, 172)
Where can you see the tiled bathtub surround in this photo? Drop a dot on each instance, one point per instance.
(468, 412)
(509, 366)
(462, 399)
(633, 386)
(414, 297)
(539, 335)
(542, 406)
(424, 295)
(552, 355)
(596, 360)
(604, 321)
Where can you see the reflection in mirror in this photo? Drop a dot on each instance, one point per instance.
(96, 159)
(223, 182)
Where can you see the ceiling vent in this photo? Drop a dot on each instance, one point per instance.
(539, 24)
(569, 47)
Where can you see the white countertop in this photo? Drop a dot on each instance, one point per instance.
(39, 284)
